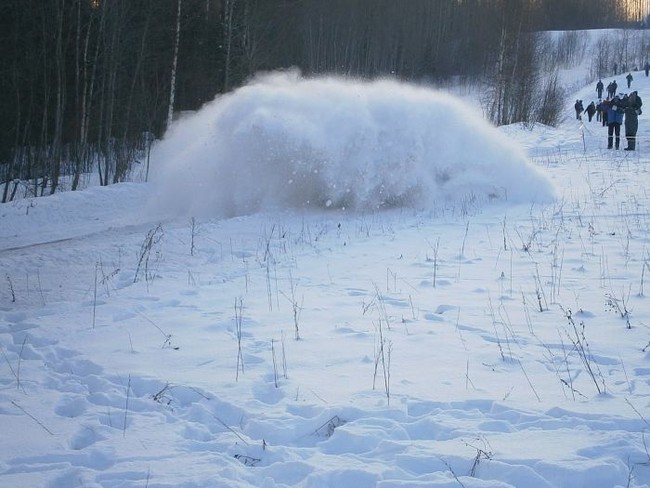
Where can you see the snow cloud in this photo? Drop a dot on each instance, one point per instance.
(284, 141)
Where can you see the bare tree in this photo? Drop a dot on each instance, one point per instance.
(87, 85)
(172, 90)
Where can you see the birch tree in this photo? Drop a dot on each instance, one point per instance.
(172, 89)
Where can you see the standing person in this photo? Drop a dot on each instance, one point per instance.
(599, 88)
(632, 112)
(614, 88)
(614, 121)
(604, 107)
(591, 110)
(579, 109)
(629, 79)
(646, 68)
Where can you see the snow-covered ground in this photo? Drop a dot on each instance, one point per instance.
(442, 305)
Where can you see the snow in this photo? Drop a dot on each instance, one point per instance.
(148, 331)
(341, 143)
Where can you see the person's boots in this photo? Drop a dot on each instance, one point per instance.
(618, 142)
(610, 141)
(631, 144)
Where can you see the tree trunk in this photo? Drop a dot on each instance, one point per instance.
(60, 66)
(172, 89)
(228, 30)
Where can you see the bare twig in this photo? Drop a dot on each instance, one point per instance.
(126, 405)
(327, 429)
(32, 417)
(12, 291)
(230, 429)
(238, 325)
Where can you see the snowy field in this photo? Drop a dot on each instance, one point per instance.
(381, 291)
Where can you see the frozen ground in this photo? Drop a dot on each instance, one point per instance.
(491, 335)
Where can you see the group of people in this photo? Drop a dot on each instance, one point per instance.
(614, 111)
(612, 87)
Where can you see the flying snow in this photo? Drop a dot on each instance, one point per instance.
(284, 141)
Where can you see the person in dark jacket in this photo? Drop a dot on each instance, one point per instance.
(646, 68)
(590, 110)
(614, 121)
(611, 89)
(604, 107)
(599, 110)
(629, 79)
(579, 109)
(632, 112)
(599, 88)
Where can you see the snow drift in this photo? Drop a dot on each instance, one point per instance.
(287, 141)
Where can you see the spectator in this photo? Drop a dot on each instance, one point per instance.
(614, 121)
(632, 112)
(604, 107)
(579, 109)
(591, 110)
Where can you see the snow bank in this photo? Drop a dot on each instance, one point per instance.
(286, 141)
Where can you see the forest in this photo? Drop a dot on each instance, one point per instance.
(87, 86)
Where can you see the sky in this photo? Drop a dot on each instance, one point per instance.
(331, 283)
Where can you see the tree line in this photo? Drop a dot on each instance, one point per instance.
(86, 86)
